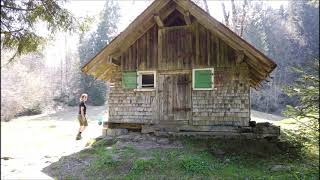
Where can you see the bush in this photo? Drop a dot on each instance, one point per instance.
(72, 102)
(195, 164)
(9, 108)
(30, 111)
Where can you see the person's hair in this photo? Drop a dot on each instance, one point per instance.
(82, 96)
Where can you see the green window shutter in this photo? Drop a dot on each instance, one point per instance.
(203, 78)
(129, 80)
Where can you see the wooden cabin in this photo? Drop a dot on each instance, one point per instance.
(176, 68)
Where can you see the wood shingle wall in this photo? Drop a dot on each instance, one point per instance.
(227, 104)
(127, 106)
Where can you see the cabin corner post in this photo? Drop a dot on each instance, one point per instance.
(197, 42)
(160, 35)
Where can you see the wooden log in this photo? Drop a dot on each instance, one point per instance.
(158, 20)
(187, 18)
(240, 56)
(124, 125)
(160, 34)
(197, 44)
(208, 48)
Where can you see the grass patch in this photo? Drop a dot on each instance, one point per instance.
(196, 164)
(307, 142)
(141, 167)
(103, 163)
(241, 160)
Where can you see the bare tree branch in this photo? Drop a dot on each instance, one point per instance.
(206, 6)
(244, 12)
(17, 8)
(226, 16)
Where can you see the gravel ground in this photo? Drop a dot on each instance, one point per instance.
(28, 144)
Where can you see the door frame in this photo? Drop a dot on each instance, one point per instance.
(171, 72)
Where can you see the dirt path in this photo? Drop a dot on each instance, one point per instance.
(32, 143)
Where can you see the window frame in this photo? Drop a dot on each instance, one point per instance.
(139, 80)
(194, 82)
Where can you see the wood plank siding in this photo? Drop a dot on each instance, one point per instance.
(181, 48)
(173, 52)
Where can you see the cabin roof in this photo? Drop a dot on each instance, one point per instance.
(104, 63)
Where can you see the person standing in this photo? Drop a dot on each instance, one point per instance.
(82, 115)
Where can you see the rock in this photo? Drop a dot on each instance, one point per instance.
(108, 138)
(278, 167)
(125, 137)
(163, 141)
(252, 123)
(151, 138)
(147, 129)
(109, 147)
(121, 144)
(227, 160)
(116, 132)
(104, 131)
(115, 157)
(263, 124)
(137, 138)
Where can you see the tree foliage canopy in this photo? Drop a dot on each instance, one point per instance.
(88, 47)
(20, 19)
(306, 90)
(290, 36)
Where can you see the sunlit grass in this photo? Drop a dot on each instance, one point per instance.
(291, 131)
(190, 163)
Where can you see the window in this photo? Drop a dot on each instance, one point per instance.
(141, 80)
(146, 79)
(202, 79)
(129, 80)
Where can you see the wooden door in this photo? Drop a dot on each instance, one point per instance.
(174, 92)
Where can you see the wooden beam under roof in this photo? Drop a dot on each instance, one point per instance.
(187, 18)
(158, 20)
(260, 69)
(186, 15)
(239, 56)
